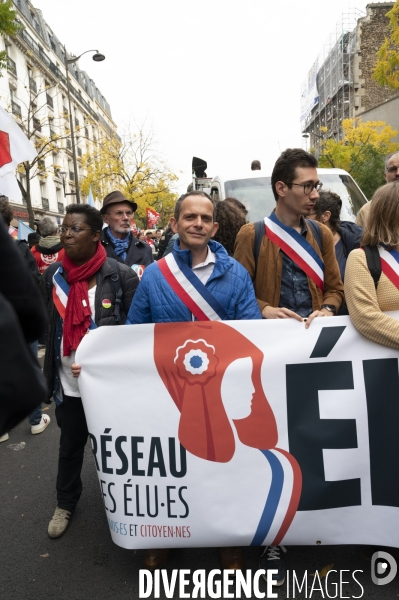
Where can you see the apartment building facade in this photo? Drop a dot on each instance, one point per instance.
(34, 90)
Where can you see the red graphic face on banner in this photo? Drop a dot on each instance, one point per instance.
(192, 368)
(5, 155)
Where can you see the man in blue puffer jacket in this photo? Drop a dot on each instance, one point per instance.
(197, 281)
(228, 282)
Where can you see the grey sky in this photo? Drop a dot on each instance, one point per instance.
(219, 79)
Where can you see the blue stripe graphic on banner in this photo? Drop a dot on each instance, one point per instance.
(300, 239)
(201, 289)
(272, 500)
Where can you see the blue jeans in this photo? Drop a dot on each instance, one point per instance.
(36, 415)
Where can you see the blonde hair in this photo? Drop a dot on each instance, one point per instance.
(382, 225)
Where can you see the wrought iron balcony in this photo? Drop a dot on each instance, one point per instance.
(61, 207)
(79, 152)
(37, 125)
(45, 204)
(71, 176)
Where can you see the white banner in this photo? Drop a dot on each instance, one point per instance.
(244, 433)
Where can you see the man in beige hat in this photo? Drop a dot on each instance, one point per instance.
(118, 239)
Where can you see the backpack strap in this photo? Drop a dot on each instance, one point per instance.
(259, 234)
(316, 230)
(115, 280)
(373, 263)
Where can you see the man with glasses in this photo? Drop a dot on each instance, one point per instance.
(118, 239)
(294, 269)
(391, 173)
(292, 264)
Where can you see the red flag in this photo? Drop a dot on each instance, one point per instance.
(152, 217)
(134, 227)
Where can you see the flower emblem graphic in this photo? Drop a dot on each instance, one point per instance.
(196, 361)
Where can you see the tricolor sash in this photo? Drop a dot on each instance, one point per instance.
(390, 264)
(191, 291)
(297, 248)
(60, 295)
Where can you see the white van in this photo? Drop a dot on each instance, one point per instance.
(255, 191)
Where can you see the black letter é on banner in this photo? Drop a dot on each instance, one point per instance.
(382, 391)
(309, 435)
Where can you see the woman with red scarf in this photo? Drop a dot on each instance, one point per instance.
(86, 290)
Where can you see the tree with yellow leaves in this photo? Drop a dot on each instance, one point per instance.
(361, 152)
(386, 70)
(133, 166)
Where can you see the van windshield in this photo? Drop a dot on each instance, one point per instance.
(347, 190)
(256, 194)
(258, 197)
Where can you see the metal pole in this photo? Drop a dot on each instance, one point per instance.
(75, 163)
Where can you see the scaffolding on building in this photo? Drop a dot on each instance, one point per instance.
(335, 82)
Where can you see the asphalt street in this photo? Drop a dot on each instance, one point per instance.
(85, 564)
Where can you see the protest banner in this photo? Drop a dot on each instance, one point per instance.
(249, 433)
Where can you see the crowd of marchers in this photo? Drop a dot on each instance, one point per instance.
(302, 262)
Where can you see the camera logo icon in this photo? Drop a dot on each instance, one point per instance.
(383, 568)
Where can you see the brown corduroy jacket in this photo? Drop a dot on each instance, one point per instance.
(267, 282)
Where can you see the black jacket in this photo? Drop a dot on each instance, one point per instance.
(103, 316)
(164, 241)
(138, 252)
(20, 287)
(22, 319)
(351, 235)
(29, 259)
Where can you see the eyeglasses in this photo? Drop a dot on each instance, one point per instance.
(309, 187)
(119, 214)
(74, 230)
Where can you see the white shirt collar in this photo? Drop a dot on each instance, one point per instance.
(210, 258)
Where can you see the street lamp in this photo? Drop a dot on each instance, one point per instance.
(63, 175)
(316, 135)
(97, 57)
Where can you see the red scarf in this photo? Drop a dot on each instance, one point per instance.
(78, 312)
